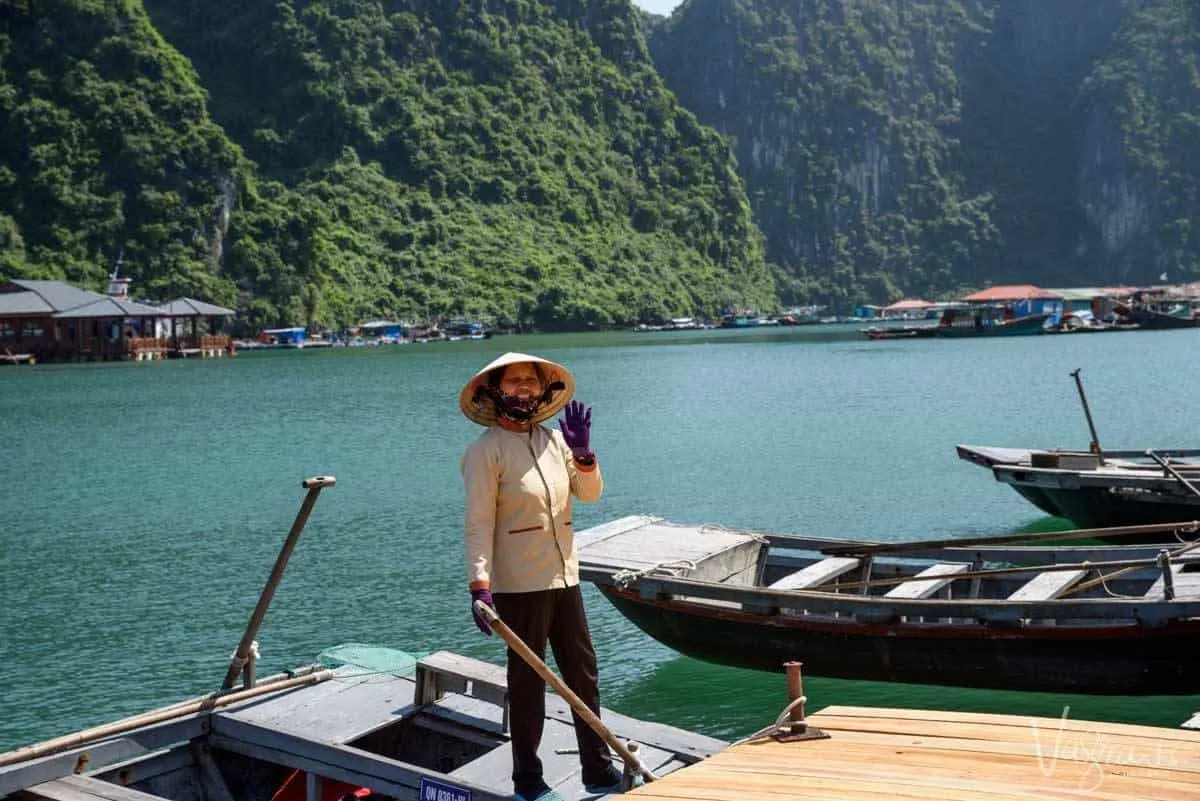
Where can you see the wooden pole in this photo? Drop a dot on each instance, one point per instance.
(242, 655)
(1095, 446)
(534, 661)
(795, 690)
(202, 704)
(1178, 476)
(1004, 539)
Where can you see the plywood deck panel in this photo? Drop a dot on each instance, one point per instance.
(877, 754)
(338, 710)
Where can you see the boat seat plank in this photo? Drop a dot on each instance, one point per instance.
(84, 788)
(443, 672)
(816, 574)
(269, 708)
(1048, 585)
(928, 581)
(348, 709)
(1186, 583)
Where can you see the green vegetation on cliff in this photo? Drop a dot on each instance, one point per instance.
(107, 150)
(1145, 98)
(328, 161)
(515, 159)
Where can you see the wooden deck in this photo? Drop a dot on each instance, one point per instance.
(897, 754)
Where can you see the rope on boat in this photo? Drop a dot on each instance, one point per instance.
(241, 662)
(781, 724)
(624, 578)
(1104, 584)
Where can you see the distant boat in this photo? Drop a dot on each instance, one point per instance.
(967, 321)
(1126, 488)
(986, 613)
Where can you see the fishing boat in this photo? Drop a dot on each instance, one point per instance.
(1098, 490)
(983, 613)
(900, 332)
(385, 725)
(963, 320)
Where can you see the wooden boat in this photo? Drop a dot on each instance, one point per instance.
(434, 727)
(988, 321)
(966, 321)
(1097, 490)
(976, 613)
(1156, 313)
(901, 332)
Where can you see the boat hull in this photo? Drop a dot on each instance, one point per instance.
(1098, 507)
(1021, 326)
(1101, 660)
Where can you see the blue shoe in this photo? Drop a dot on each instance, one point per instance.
(539, 791)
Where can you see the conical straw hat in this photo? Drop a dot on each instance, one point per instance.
(478, 407)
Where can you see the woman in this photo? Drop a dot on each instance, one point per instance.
(519, 477)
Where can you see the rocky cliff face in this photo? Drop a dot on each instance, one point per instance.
(920, 146)
(844, 118)
(1138, 176)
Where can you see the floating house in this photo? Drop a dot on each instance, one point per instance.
(1023, 299)
(191, 328)
(52, 320)
(909, 309)
(384, 330)
(292, 337)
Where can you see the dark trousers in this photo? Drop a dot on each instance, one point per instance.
(554, 616)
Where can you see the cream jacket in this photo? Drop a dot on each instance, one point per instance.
(518, 523)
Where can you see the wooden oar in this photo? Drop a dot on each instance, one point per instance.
(633, 764)
(242, 654)
(1003, 539)
(1178, 476)
(202, 704)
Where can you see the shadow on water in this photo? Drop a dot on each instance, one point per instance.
(738, 702)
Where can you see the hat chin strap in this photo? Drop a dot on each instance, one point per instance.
(518, 410)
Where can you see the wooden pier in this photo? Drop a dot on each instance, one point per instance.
(899, 754)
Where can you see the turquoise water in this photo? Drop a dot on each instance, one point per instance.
(144, 503)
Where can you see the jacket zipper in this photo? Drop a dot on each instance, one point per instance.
(549, 505)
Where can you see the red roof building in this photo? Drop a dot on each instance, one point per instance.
(908, 304)
(1011, 292)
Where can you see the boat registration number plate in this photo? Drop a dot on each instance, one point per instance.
(433, 790)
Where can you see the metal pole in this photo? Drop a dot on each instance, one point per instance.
(1095, 446)
(795, 690)
(242, 655)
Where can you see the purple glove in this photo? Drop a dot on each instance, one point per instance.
(486, 597)
(576, 428)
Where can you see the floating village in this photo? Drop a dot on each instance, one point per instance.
(55, 321)
(44, 321)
